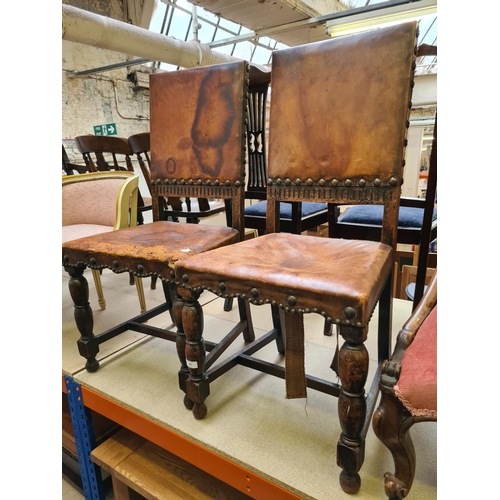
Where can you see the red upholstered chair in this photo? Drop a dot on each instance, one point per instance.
(409, 391)
(198, 151)
(338, 125)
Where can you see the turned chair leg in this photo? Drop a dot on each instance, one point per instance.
(98, 287)
(180, 342)
(197, 384)
(140, 292)
(391, 424)
(353, 370)
(154, 279)
(88, 345)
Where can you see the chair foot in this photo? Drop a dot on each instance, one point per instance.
(199, 410)
(92, 365)
(392, 423)
(350, 482)
(395, 489)
(188, 403)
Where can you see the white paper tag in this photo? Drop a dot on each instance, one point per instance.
(192, 364)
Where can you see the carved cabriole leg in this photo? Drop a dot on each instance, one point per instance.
(197, 385)
(88, 346)
(353, 371)
(391, 424)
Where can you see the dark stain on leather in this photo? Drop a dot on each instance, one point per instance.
(213, 122)
(170, 165)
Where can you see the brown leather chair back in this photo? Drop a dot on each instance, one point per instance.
(197, 142)
(341, 140)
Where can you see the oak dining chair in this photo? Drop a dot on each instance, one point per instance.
(338, 125)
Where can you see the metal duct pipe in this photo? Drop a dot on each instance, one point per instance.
(99, 31)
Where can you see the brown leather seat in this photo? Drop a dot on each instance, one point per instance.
(191, 157)
(338, 124)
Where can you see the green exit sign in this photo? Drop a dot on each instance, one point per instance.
(106, 129)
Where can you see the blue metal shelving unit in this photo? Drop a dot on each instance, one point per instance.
(83, 431)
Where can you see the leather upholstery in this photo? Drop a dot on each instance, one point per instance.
(194, 144)
(146, 250)
(377, 76)
(314, 270)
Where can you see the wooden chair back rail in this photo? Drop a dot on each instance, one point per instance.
(105, 153)
(68, 167)
(427, 233)
(256, 142)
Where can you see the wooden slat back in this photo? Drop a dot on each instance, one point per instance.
(102, 153)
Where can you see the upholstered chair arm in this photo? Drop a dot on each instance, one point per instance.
(392, 367)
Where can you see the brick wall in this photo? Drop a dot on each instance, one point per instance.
(105, 97)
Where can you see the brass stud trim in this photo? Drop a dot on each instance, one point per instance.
(350, 312)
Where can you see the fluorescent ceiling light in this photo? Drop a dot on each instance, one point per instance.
(366, 21)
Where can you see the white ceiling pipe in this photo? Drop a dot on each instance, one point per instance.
(106, 33)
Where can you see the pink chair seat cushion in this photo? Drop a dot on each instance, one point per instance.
(75, 231)
(417, 385)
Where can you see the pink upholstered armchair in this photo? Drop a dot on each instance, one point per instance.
(100, 202)
(409, 391)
